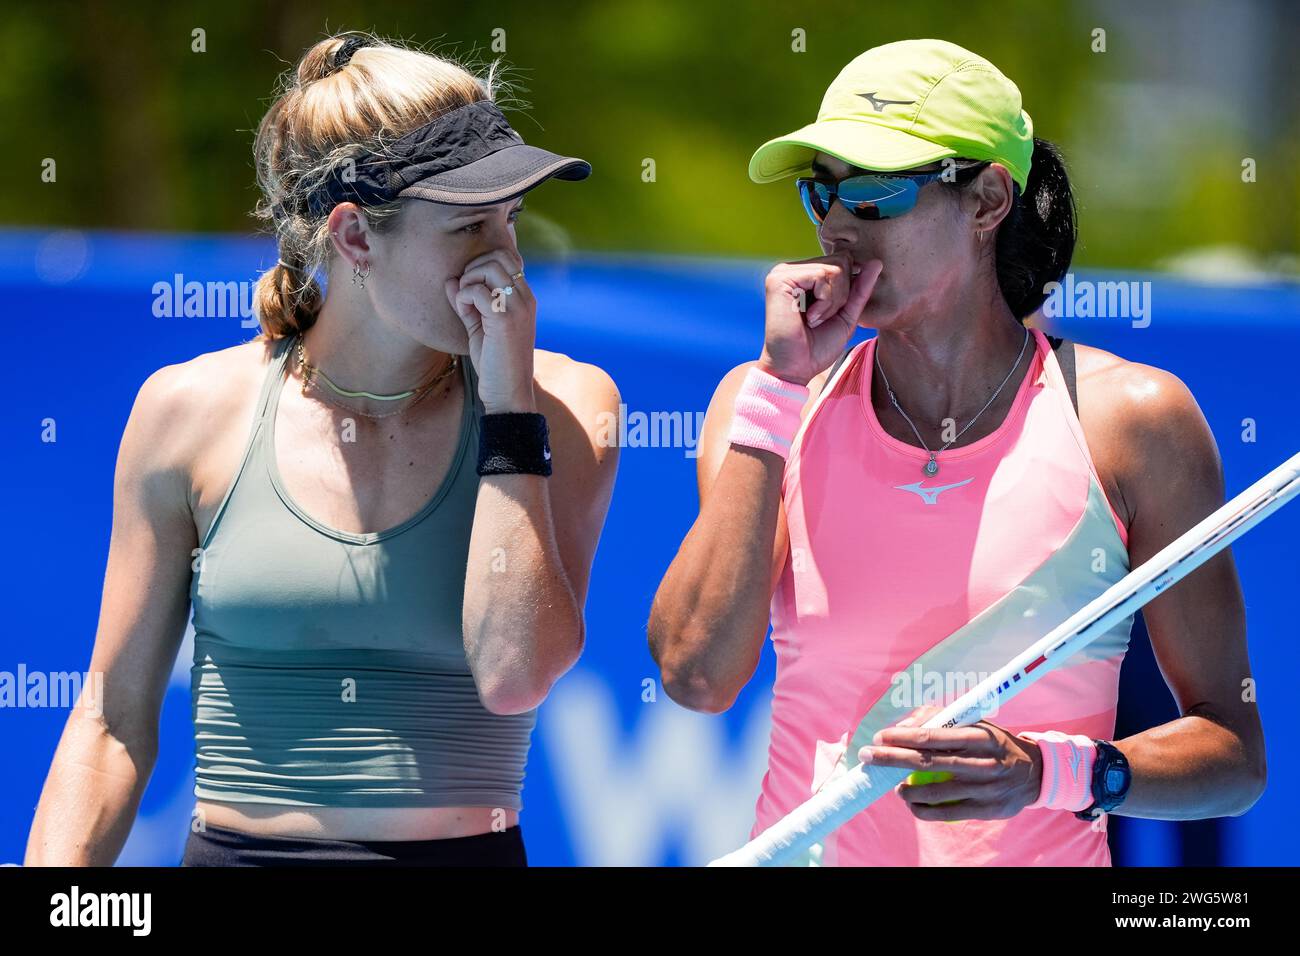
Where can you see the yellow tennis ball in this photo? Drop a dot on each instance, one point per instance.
(919, 777)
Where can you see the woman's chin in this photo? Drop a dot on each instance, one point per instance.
(877, 314)
(443, 337)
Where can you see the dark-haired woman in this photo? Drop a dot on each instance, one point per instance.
(388, 568)
(912, 512)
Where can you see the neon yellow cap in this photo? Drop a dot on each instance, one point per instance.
(906, 104)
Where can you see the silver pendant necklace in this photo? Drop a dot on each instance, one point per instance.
(932, 466)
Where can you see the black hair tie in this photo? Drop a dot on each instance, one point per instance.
(350, 46)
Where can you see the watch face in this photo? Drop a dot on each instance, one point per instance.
(1114, 780)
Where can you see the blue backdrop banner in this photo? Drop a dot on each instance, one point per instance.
(618, 773)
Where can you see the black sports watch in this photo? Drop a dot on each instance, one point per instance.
(1111, 778)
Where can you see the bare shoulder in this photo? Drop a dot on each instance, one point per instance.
(196, 398)
(1141, 400)
(1143, 425)
(191, 419)
(581, 387)
(579, 400)
(180, 422)
(209, 392)
(581, 403)
(234, 365)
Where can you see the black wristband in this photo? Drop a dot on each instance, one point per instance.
(513, 443)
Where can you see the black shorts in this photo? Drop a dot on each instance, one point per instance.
(221, 846)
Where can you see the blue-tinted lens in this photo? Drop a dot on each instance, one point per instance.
(878, 197)
(816, 197)
(869, 197)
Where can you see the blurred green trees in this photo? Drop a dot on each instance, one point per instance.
(147, 134)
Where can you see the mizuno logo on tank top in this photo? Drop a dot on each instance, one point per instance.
(931, 495)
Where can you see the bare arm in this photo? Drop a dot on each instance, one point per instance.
(710, 614)
(1210, 761)
(107, 752)
(532, 547)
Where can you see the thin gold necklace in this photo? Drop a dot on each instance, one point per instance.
(405, 408)
(311, 375)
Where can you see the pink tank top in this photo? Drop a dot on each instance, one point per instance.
(901, 589)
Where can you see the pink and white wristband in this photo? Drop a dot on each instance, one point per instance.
(1067, 770)
(767, 412)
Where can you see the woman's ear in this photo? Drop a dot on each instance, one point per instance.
(990, 195)
(350, 233)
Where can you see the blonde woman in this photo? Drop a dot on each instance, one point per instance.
(388, 569)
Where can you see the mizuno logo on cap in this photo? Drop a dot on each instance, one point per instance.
(878, 105)
(931, 495)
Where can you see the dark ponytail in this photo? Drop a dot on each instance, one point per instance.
(1035, 241)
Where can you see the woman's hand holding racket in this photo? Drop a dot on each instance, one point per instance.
(976, 772)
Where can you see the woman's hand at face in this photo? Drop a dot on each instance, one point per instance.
(812, 309)
(502, 328)
(995, 774)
